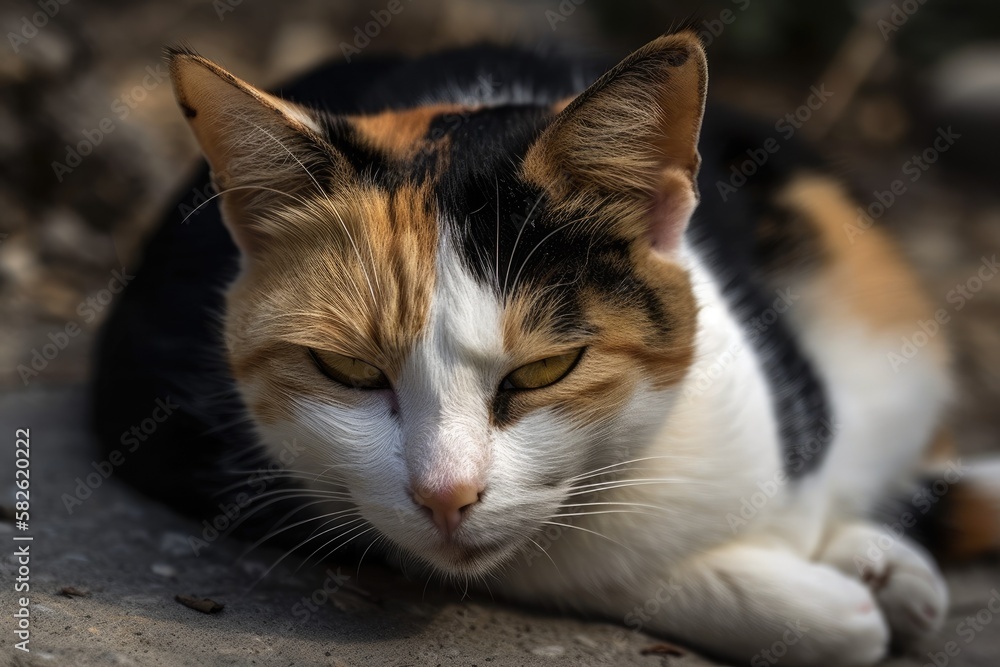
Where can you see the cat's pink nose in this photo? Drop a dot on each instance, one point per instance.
(448, 506)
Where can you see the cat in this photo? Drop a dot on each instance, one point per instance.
(507, 324)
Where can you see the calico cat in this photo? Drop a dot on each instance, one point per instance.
(460, 301)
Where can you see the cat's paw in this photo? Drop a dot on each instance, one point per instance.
(849, 631)
(904, 580)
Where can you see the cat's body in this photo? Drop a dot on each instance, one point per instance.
(720, 425)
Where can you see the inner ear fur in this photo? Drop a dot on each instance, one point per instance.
(629, 142)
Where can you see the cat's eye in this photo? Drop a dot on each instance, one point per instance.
(543, 372)
(349, 371)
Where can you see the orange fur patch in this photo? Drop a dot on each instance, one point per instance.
(352, 273)
(971, 525)
(401, 134)
(865, 274)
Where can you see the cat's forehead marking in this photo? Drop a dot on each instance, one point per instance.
(403, 134)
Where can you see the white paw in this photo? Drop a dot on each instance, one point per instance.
(845, 626)
(908, 586)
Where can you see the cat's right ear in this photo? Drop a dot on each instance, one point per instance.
(629, 143)
(264, 152)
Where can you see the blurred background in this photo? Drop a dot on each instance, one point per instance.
(93, 148)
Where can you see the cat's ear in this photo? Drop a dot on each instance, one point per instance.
(629, 142)
(263, 151)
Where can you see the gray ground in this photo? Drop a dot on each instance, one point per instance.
(132, 557)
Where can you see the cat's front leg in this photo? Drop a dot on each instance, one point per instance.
(763, 605)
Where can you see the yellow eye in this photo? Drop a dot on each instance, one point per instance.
(543, 372)
(349, 371)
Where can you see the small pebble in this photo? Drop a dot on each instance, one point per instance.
(164, 570)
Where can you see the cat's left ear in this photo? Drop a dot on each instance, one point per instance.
(264, 151)
(629, 144)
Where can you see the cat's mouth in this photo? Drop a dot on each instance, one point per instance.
(466, 557)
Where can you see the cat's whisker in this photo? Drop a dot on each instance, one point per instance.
(281, 559)
(323, 193)
(620, 463)
(348, 541)
(275, 533)
(617, 471)
(496, 266)
(546, 554)
(306, 474)
(616, 481)
(266, 475)
(259, 508)
(517, 240)
(241, 187)
(626, 504)
(465, 589)
(587, 530)
(564, 514)
(378, 539)
(555, 231)
(481, 577)
(627, 483)
(328, 530)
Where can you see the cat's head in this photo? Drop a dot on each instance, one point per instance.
(460, 311)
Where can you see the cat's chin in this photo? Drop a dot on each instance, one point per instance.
(467, 559)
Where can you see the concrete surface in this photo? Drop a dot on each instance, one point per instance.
(132, 557)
